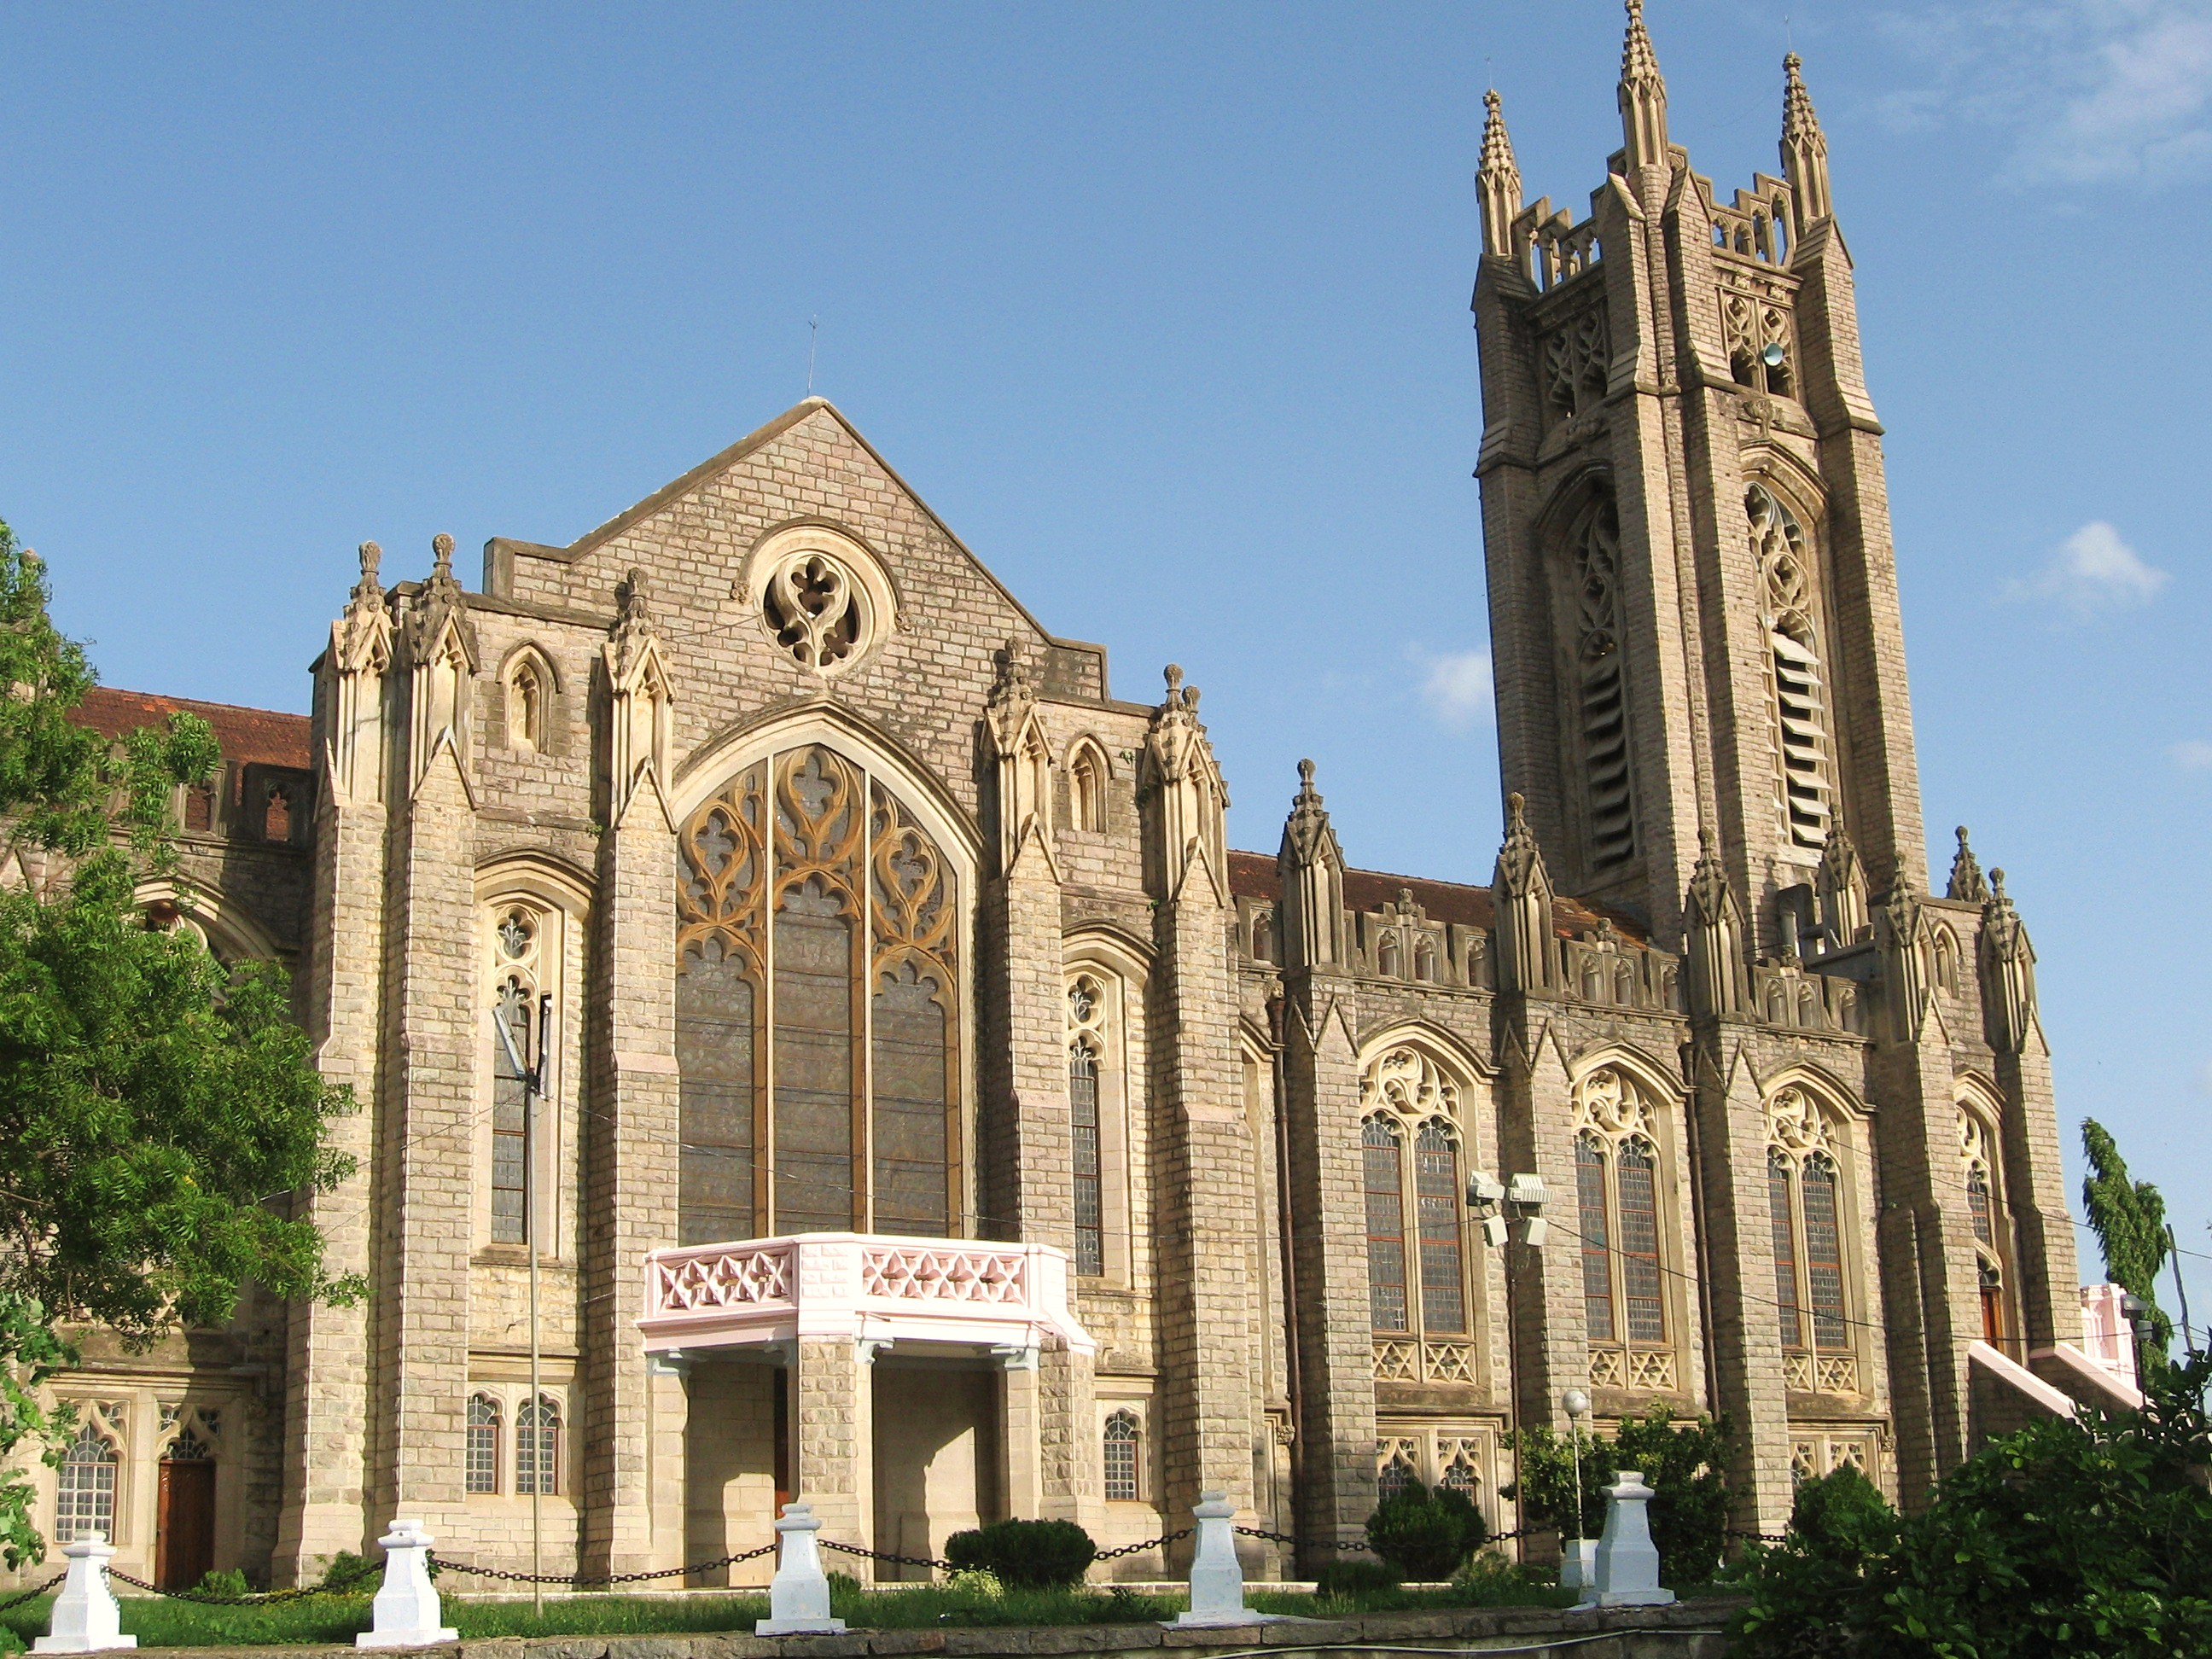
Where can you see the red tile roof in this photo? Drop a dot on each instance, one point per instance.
(245, 734)
(1252, 875)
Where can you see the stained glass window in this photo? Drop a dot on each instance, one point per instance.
(1386, 1226)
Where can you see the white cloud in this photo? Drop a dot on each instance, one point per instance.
(2193, 754)
(2094, 92)
(2092, 570)
(1457, 688)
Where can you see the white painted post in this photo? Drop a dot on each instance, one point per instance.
(86, 1618)
(798, 1594)
(1217, 1577)
(1578, 1565)
(406, 1610)
(1627, 1561)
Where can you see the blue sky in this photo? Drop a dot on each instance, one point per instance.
(1165, 309)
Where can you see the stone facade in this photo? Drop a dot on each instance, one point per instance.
(820, 890)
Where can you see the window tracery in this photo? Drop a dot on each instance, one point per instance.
(1086, 788)
(808, 887)
(1617, 1195)
(1979, 1175)
(481, 1464)
(1761, 352)
(1796, 686)
(1805, 1204)
(1577, 360)
(1415, 1178)
(537, 1447)
(529, 692)
(1086, 1048)
(84, 1491)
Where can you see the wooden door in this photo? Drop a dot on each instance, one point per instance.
(183, 1546)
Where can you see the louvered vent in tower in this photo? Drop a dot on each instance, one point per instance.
(1601, 696)
(1804, 801)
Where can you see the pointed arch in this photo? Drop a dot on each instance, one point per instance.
(1089, 772)
(529, 686)
(225, 929)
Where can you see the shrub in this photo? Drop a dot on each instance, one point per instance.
(1683, 1461)
(1024, 1554)
(349, 1574)
(2073, 1535)
(223, 1581)
(1356, 1578)
(1426, 1534)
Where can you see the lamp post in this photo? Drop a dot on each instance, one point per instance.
(1577, 1404)
(1498, 1205)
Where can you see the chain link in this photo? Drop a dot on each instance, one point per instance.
(252, 1599)
(1161, 1543)
(898, 1560)
(33, 1593)
(610, 1578)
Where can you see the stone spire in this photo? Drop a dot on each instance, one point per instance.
(1643, 96)
(640, 698)
(1714, 937)
(1967, 884)
(2008, 971)
(1804, 148)
(1311, 866)
(1521, 901)
(1498, 181)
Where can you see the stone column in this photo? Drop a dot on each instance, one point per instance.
(424, 1219)
(327, 1358)
(1069, 1456)
(833, 1439)
(669, 1486)
(630, 1159)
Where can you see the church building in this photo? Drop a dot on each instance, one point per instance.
(811, 1000)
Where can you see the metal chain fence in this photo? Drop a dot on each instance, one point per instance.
(440, 1561)
(33, 1593)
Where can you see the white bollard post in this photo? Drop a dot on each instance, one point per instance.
(86, 1618)
(406, 1610)
(1627, 1561)
(798, 1594)
(1217, 1577)
(1578, 1565)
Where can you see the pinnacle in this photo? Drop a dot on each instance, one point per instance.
(1640, 64)
(1498, 160)
(1798, 119)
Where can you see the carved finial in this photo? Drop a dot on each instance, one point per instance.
(1498, 181)
(370, 556)
(1998, 894)
(1967, 886)
(441, 554)
(1174, 679)
(1305, 778)
(1190, 698)
(1520, 859)
(1804, 148)
(1642, 96)
(1515, 806)
(633, 597)
(1309, 819)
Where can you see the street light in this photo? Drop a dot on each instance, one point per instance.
(1498, 1206)
(1576, 1404)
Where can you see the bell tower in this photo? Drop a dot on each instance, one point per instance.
(1693, 601)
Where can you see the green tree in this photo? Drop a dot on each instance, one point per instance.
(2129, 1218)
(2089, 1535)
(1426, 1533)
(1683, 1460)
(156, 1108)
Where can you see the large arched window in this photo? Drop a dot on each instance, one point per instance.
(537, 1447)
(1415, 1174)
(1797, 673)
(1086, 1012)
(807, 888)
(1122, 1444)
(1624, 1239)
(525, 939)
(1805, 1204)
(84, 1501)
(482, 1462)
(1086, 787)
(1591, 630)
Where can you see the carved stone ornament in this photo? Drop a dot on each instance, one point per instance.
(361, 640)
(816, 608)
(1307, 837)
(1794, 1121)
(1403, 1080)
(1520, 861)
(1966, 885)
(1609, 1102)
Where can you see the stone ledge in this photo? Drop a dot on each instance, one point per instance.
(1444, 1628)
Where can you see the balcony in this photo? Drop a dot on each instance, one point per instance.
(922, 1295)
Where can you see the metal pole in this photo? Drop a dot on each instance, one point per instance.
(2180, 1290)
(533, 1088)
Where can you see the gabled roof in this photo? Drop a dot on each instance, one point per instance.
(245, 735)
(592, 541)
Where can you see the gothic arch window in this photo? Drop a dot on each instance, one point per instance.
(537, 1447)
(1086, 787)
(84, 1499)
(1806, 1207)
(808, 888)
(1425, 960)
(481, 1465)
(1087, 1014)
(1386, 957)
(276, 813)
(526, 942)
(1626, 1245)
(1397, 1472)
(1981, 1177)
(1944, 961)
(1597, 691)
(1263, 936)
(528, 683)
(1415, 1176)
(1797, 693)
(1122, 1445)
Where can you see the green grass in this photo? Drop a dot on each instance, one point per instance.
(165, 1623)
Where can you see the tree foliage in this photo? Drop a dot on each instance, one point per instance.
(156, 1108)
(1425, 1535)
(1683, 1460)
(2129, 1218)
(2090, 1535)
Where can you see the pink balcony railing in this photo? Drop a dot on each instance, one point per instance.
(1011, 1298)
